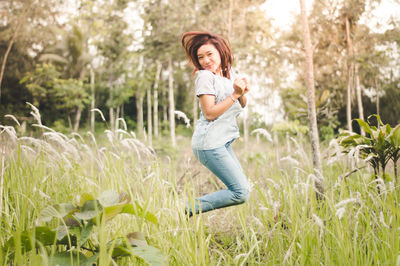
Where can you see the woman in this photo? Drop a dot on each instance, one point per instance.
(222, 97)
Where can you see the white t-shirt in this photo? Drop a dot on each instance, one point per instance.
(213, 134)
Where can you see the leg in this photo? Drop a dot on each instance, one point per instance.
(227, 168)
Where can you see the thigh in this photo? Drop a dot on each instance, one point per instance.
(225, 167)
(233, 155)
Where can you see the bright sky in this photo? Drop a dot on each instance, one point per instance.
(284, 11)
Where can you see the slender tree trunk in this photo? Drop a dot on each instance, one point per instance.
(139, 108)
(111, 110)
(77, 118)
(359, 96)
(92, 101)
(117, 115)
(349, 78)
(155, 98)
(171, 102)
(149, 116)
(3, 153)
(165, 109)
(312, 118)
(377, 96)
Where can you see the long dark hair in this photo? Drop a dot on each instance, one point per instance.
(193, 40)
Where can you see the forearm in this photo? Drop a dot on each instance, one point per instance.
(243, 100)
(211, 110)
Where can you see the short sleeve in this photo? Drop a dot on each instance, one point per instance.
(204, 83)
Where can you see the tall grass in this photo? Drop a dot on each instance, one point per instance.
(282, 223)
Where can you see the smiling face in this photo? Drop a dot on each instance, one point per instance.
(209, 58)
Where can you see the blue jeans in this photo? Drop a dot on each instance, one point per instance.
(224, 164)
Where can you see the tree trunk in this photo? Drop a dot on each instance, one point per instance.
(349, 78)
(92, 101)
(359, 97)
(111, 110)
(155, 98)
(77, 118)
(12, 40)
(117, 115)
(171, 102)
(149, 115)
(312, 118)
(377, 96)
(139, 108)
(165, 109)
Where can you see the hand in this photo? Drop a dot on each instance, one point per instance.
(240, 86)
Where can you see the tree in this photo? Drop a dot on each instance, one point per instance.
(155, 97)
(24, 32)
(71, 53)
(309, 79)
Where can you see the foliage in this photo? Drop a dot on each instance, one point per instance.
(75, 233)
(281, 224)
(291, 127)
(381, 145)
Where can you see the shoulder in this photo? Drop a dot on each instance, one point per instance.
(204, 75)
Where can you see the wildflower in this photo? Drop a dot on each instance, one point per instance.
(183, 116)
(340, 212)
(262, 132)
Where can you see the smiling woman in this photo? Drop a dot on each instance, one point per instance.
(222, 97)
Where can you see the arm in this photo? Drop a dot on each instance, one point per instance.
(243, 101)
(212, 111)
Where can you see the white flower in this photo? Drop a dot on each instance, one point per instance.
(182, 115)
(263, 132)
(340, 212)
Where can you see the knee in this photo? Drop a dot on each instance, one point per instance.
(242, 195)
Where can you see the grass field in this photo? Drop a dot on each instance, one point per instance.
(282, 223)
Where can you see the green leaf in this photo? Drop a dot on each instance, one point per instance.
(112, 211)
(72, 221)
(394, 137)
(85, 233)
(71, 258)
(364, 125)
(121, 251)
(90, 209)
(108, 198)
(149, 254)
(377, 118)
(138, 210)
(111, 198)
(41, 236)
(137, 239)
(85, 197)
(57, 210)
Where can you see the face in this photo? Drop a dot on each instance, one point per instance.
(209, 58)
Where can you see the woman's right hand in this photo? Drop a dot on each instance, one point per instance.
(239, 86)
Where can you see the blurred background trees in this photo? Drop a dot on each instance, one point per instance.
(125, 58)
